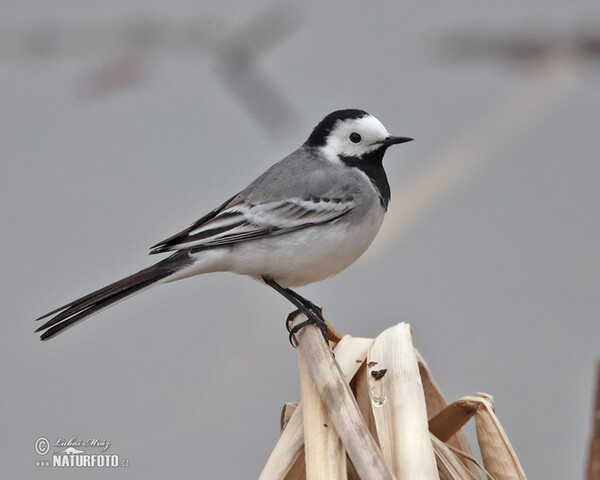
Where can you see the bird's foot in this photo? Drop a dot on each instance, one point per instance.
(314, 317)
(313, 311)
(311, 307)
(315, 308)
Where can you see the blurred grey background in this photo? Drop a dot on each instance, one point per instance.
(123, 122)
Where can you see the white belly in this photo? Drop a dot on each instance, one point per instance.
(306, 256)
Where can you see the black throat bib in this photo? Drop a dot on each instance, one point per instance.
(372, 165)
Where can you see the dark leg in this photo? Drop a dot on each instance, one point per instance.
(318, 311)
(306, 302)
(312, 312)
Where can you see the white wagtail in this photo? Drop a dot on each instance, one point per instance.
(307, 218)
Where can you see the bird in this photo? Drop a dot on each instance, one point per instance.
(305, 219)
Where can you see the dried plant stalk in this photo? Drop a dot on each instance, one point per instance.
(449, 466)
(499, 458)
(341, 405)
(287, 450)
(593, 471)
(325, 456)
(435, 404)
(352, 473)
(298, 470)
(286, 413)
(398, 404)
(351, 353)
(452, 418)
(364, 400)
(324, 453)
(287, 458)
(334, 335)
(434, 400)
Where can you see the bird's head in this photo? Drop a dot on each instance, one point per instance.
(352, 135)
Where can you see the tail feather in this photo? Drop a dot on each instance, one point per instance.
(95, 295)
(86, 306)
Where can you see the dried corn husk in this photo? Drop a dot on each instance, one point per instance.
(398, 404)
(288, 456)
(388, 373)
(341, 404)
(435, 404)
(434, 400)
(287, 450)
(499, 458)
(364, 400)
(324, 453)
(449, 466)
(452, 418)
(298, 470)
(286, 413)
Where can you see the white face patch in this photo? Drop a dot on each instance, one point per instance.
(372, 134)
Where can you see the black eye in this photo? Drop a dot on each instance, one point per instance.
(354, 137)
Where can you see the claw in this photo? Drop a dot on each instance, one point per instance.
(296, 329)
(290, 318)
(312, 320)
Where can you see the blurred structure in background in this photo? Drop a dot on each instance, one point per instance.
(593, 468)
(238, 60)
(132, 45)
(522, 48)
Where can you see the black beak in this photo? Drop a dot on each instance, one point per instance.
(391, 140)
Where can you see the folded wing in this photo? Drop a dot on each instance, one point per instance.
(242, 221)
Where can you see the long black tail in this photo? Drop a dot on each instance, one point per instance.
(84, 307)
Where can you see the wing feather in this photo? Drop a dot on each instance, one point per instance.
(165, 245)
(240, 222)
